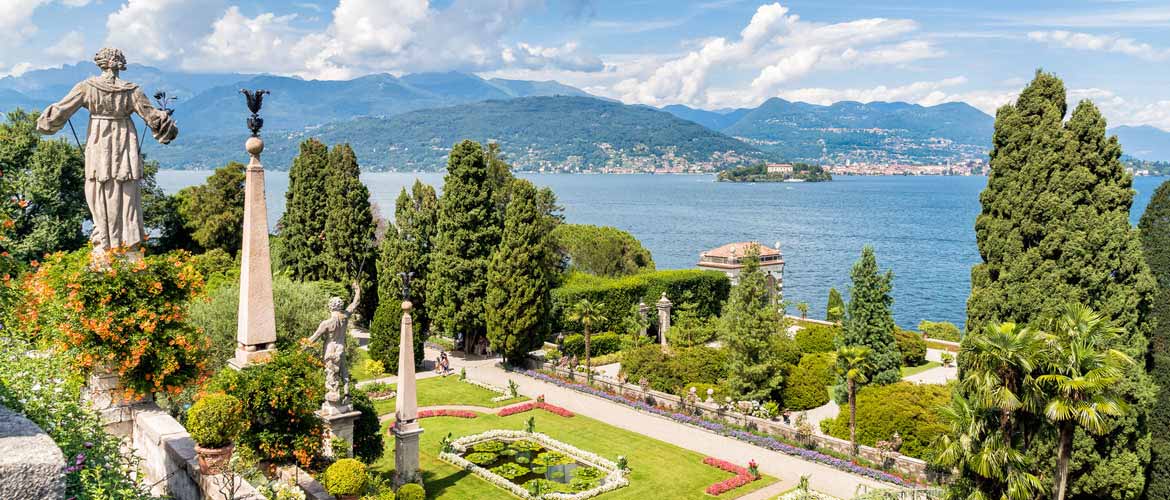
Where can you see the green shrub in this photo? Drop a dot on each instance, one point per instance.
(553, 354)
(216, 420)
(345, 477)
(688, 329)
(600, 344)
(807, 384)
(367, 432)
(412, 491)
(785, 350)
(906, 408)
(385, 330)
(817, 338)
(668, 372)
(941, 330)
(701, 391)
(618, 296)
(912, 346)
(374, 367)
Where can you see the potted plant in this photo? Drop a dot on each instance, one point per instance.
(215, 422)
(345, 479)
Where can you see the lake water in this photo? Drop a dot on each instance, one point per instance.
(921, 227)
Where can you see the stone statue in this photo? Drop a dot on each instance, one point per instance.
(336, 366)
(113, 162)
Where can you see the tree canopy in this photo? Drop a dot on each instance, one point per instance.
(601, 250)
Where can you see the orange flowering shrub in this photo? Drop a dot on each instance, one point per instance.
(130, 319)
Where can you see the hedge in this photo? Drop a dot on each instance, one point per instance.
(912, 346)
(670, 372)
(941, 330)
(600, 344)
(906, 408)
(807, 384)
(817, 338)
(708, 290)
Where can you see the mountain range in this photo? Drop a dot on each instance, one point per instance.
(409, 122)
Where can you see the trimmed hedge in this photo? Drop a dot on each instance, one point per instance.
(912, 346)
(617, 296)
(941, 330)
(411, 491)
(600, 344)
(906, 408)
(807, 384)
(670, 372)
(817, 338)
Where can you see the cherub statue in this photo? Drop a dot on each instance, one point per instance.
(336, 366)
(113, 161)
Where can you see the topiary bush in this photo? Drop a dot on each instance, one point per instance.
(412, 491)
(600, 344)
(345, 477)
(906, 408)
(367, 432)
(912, 346)
(941, 330)
(807, 384)
(216, 420)
(817, 338)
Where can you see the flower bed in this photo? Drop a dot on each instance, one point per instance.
(531, 405)
(614, 477)
(447, 413)
(742, 476)
(768, 442)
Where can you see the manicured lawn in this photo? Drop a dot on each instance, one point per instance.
(659, 470)
(914, 370)
(449, 390)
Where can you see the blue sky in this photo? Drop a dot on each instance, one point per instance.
(711, 54)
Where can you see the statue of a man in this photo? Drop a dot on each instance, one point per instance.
(113, 162)
(336, 366)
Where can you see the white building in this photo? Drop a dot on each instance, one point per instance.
(729, 260)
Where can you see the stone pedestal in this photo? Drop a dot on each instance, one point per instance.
(663, 318)
(256, 326)
(406, 437)
(339, 425)
(643, 312)
(406, 429)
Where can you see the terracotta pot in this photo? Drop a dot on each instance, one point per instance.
(214, 460)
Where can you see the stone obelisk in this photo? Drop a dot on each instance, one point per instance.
(256, 326)
(406, 429)
(663, 318)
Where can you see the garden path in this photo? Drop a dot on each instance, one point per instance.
(768, 493)
(825, 412)
(940, 375)
(785, 467)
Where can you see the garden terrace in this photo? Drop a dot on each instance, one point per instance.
(449, 390)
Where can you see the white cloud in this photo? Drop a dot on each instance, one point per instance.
(1100, 43)
(69, 48)
(637, 26)
(158, 30)
(1121, 111)
(569, 56)
(16, 21)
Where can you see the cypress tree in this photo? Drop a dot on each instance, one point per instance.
(520, 277)
(1155, 234)
(749, 323)
(302, 227)
(468, 233)
(349, 227)
(835, 309)
(407, 247)
(869, 322)
(1054, 230)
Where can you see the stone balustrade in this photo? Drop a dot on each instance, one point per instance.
(31, 464)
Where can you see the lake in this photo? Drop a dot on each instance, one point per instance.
(922, 228)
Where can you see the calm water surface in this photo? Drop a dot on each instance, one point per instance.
(921, 227)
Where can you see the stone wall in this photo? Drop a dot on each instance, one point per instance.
(906, 466)
(31, 465)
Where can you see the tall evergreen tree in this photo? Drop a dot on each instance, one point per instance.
(522, 274)
(406, 248)
(213, 212)
(1155, 234)
(349, 227)
(835, 309)
(749, 322)
(1054, 230)
(869, 321)
(468, 233)
(302, 227)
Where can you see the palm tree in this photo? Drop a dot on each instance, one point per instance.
(588, 314)
(1081, 372)
(969, 445)
(852, 363)
(999, 366)
(803, 308)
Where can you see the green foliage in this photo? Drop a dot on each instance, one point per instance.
(302, 227)
(835, 309)
(807, 384)
(349, 254)
(213, 212)
(912, 347)
(345, 477)
(481, 458)
(216, 420)
(42, 190)
(412, 491)
(1155, 236)
(367, 431)
(869, 320)
(906, 408)
(601, 250)
(750, 320)
(817, 338)
(299, 308)
(1054, 230)
(468, 233)
(708, 290)
(387, 329)
(280, 398)
(406, 248)
(941, 330)
(759, 173)
(681, 367)
(522, 272)
(688, 329)
(599, 344)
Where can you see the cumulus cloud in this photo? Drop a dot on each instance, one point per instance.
(778, 47)
(1100, 43)
(158, 30)
(569, 56)
(16, 27)
(70, 47)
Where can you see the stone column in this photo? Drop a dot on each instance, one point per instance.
(663, 318)
(643, 311)
(256, 326)
(406, 428)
